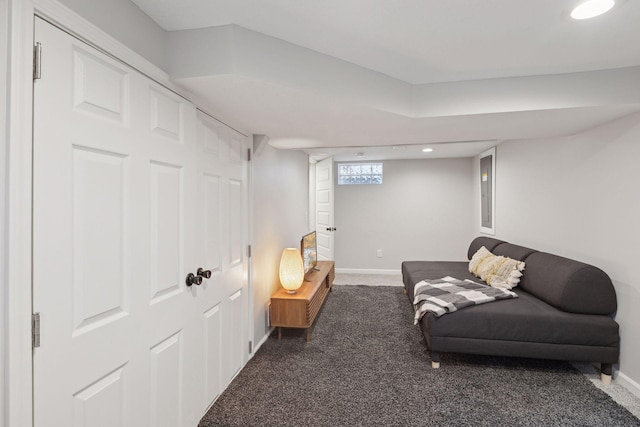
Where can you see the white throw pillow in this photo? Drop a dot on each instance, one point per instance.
(498, 271)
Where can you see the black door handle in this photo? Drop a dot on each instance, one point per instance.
(192, 279)
(331, 229)
(204, 273)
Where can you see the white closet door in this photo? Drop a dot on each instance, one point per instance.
(223, 299)
(119, 196)
(324, 209)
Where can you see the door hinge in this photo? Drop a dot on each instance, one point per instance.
(249, 154)
(35, 330)
(248, 251)
(250, 347)
(37, 61)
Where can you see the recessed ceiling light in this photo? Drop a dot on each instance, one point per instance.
(427, 150)
(592, 8)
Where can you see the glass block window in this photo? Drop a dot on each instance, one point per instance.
(359, 173)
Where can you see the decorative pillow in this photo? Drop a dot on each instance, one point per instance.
(477, 258)
(498, 271)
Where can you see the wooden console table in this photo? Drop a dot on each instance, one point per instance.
(299, 310)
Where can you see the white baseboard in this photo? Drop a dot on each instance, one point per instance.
(628, 383)
(367, 271)
(262, 341)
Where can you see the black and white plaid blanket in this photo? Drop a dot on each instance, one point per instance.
(448, 294)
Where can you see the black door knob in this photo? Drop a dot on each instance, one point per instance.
(192, 279)
(204, 273)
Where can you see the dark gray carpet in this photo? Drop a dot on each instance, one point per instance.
(366, 366)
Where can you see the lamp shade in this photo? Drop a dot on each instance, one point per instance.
(291, 270)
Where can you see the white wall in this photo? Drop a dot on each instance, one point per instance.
(422, 211)
(127, 23)
(281, 201)
(578, 197)
(4, 25)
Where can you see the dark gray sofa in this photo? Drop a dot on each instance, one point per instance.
(563, 311)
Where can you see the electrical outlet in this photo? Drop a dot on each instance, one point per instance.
(379, 253)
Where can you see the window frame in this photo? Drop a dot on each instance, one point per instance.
(361, 178)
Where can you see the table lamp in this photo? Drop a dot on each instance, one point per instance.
(291, 270)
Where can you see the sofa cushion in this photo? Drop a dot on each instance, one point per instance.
(478, 242)
(513, 251)
(524, 319)
(569, 285)
(415, 271)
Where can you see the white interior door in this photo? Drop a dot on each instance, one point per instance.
(223, 303)
(325, 228)
(117, 225)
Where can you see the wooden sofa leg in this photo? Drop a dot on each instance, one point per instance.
(605, 373)
(435, 359)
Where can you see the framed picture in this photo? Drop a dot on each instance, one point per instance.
(488, 191)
